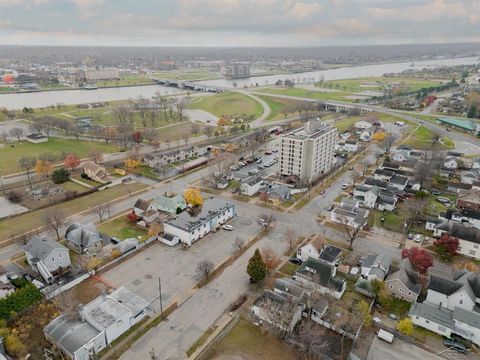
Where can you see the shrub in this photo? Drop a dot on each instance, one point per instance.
(20, 282)
(14, 196)
(19, 300)
(59, 176)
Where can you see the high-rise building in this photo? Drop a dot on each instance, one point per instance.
(308, 152)
(237, 70)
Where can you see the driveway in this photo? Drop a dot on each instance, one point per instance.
(8, 208)
(398, 350)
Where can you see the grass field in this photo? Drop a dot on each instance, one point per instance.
(379, 84)
(247, 341)
(122, 228)
(303, 93)
(422, 139)
(30, 221)
(10, 154)
(179, 75)
(229, 104)
(277, 105)
(126, 81)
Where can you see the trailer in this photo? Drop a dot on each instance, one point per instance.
(385, 335)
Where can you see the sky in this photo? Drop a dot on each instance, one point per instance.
(237, 22)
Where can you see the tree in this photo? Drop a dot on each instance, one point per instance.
(263, 196)
(123, 115)
(15, 346)
(131, 163)
(208, 131)
(405, 326)
(270, 258)
(311, 340)
(290, 238)
(137, 137)
(132, 217)
(54, 219)
(96, 156)
(446, 247)
(109, 133)
(193, 196)
(350, 230)
(16, 132)
(256, 267)
(222, 122)
(59, 176)
(43, 168)
(195, 129)
(363, 309)
(388, 142)
(27, 163)
(71, 161)
(377, 286)
(154, 229)
(420, 259)
(205, 268)
(237, 246)
(414, 209)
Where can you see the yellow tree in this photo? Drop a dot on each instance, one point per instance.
(405, 326)
(379, 136)
(43, 168)
(222, 122)
(131, 164)
(193, 196)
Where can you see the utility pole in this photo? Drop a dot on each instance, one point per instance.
(160, 297)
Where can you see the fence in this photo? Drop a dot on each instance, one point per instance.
(201, 355)
(51, 293)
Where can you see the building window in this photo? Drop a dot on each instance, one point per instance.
(53, 259)
(460, 301)
(401, 290)
(427, 321)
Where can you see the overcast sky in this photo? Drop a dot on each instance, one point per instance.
(238, 22)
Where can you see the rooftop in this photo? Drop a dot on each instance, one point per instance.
(311, 130)
(39, 248)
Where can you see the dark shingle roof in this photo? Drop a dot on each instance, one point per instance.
(330, 253)
(460, 231)
(443, 286)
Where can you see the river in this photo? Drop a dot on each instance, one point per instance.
(67, 97)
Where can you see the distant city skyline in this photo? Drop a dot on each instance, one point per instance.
(237, 22)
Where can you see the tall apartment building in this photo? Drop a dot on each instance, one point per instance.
(237, 70)
(308, 152)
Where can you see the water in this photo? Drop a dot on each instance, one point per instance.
(67, 97)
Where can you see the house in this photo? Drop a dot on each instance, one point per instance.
(457, 187)
(469, 199)
(386, 201)
(278, 192)
(468, 177)
(476, 164)
(401, 155)
(467, 235)
(451, 163)
(362, 125)
(312, 249)
(141, 206)
(464, 216)
(383, 174)
(169, 239)
(251, 186)
(289, 286)
(84, 238)
(365, 135)
(160, 159)
(376, 266)
(190, 228)
(403, 283)
(368, 195)
(330, 255)
(351, 216)
(76, 339)
(6, 288)
(115, 313)
(447, 173)
(320, 277)
(399, 182)
(95, 171)
(430, 223)
(349, 145)
(36, 138)
(101, 322)
(281, 310)
(46, 257)
(172, 205)
(451, 306)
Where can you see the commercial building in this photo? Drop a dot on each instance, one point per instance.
(237, 70)
(308, 152)
(102, 74)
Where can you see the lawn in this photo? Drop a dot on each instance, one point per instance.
(127, 81)
(247, 341)
(288, 268)
(188, 75)
(13, 152)
(29, 221)
(122, 228)
(422, 139)
(379, 84)
(71, 186)
(277, 105)
(229, 104)
(392, 221)
(302, 93)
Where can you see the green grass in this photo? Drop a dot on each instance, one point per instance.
(71, 186)
(288, 268)
(146, 171)
(30, 221)
(277, 105)
(187, 75)
(201, 340)
(126, 81)
(391, 305)
(379, 84)
(122, 228)
(229, 104)
(247, 341)
(10, 154)
(422, 139)
(302, 93)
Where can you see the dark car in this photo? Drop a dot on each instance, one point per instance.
(435, 192)
(455, 345)
(295, 261)
(27, 277)
(330, 207)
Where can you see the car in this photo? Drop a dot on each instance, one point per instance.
(435, 192)
(393, 316)
(27, 277)
(418, 238)
(275, 150)
(350, 168)
(448, 129)
(422, 121)
(455, 345)
(376, 320)
(295, 261)
(38, 284)
(12, 276)
(262, 221)
(330, 207)
(268, 152)
(259, 161)
(361, 260)
(322, 192)
(410, 236)
(241, 158)
(344, 186)
(260, 167)
(227, 227)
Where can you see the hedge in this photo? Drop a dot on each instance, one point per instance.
(20, 300)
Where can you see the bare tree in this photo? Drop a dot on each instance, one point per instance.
(290, 237)
(237, 246)
(4, 136)
(350, 230)
(435, 139)
(16, 132)
(208, 131)
(54, 219)
(123, 115)
(144, 109)
(150, 135)
(310, 340)
(205, 268)
(124, 134)
(365, 165)
(27, 163)
(195, 129)
(101, 212)
(180, 106)
(414, 210)
(67, 302)
(388, 142)
(270, 257)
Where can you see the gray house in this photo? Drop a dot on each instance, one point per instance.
(403, 284)
(83, 238)
(46, 257)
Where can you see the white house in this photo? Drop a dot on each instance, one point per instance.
(6, 288)
(351, 146)
(376, 266)
(46, 257)
(365, 135)
(467, 235)
(251, 186)
(451, 163)
(349, 215)
(190, 228)
(313, 249)
(368, 195)
(173, 205)
(469, 177)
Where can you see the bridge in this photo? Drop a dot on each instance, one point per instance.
(188, 85)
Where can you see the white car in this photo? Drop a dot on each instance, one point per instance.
(344, 186)
(227, 227)
(376, 320)
(418, 238)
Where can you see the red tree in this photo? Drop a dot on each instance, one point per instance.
(71, 161)
(420, 259)
(137, 136)
(132, 216)
(446, 247)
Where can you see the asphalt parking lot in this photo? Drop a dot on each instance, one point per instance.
(398, 350)
(175, 266)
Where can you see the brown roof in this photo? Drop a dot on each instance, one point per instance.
(469, 195)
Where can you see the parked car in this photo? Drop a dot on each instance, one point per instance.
(227, 227)
(38, 284)
(27, 277)
(295, 261)
(455, 345)
(418, 238)
(259, 161)
(330, 207)
(360, 260)
(435, 192)
(275, 150)
(448, 129)
(344, 186)
(410, 236)
(12, 276)
(322, 192)
(262, 221)
(268, 152)
(393, 317)
(377, 321)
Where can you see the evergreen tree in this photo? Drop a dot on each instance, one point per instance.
(256, 267)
